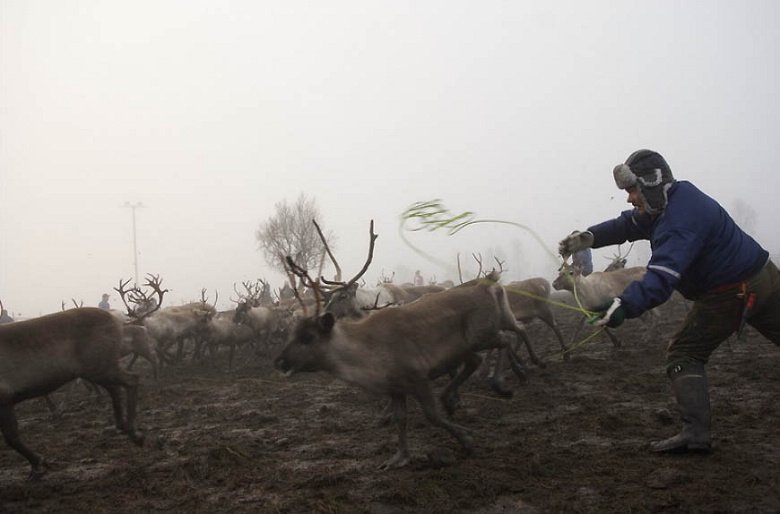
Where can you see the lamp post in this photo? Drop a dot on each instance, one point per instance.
(133, 207)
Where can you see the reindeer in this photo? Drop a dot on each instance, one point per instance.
(399, 351)
(40, 355)
(224, 331)
(598, 288)
(618, 261)
(402, 294)
(350, 302)
(170, 325)
(528, 301)
(268, 323)
(134, 341)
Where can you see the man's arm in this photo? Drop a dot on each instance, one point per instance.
(629, 226)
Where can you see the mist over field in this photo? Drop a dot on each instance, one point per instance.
(200, 117)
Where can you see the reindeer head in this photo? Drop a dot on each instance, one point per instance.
(307, 345)
(567, 274)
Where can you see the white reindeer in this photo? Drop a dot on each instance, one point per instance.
(597, 289)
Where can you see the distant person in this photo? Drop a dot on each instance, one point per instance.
(418, 279)
(104, 302)
(5, 317)
(583, 260)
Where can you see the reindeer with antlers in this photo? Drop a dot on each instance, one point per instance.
(268, 323)
(399, 351)
(169, 326)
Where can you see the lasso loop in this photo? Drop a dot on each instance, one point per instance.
(432, 215)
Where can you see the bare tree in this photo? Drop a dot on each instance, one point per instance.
(291, 232)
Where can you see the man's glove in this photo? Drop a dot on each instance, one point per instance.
(611, 314)
(575, 242)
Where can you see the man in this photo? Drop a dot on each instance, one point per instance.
(104, 302)
(5, 317)
(698, 250)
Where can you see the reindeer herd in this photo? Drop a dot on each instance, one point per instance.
(393, 340)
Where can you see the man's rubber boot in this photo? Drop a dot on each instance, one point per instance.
(689, 383)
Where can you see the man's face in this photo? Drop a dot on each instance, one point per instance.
(635, 198)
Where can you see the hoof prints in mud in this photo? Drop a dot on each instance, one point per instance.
(571, 439)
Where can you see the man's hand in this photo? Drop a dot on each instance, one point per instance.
(575, 242)
(612, 314)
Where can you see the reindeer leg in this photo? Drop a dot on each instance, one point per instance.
(155, 369)
(54, 410)
(554, 326)
(497, 380)
(230, 356)
(524, 336)
(125, 420)
(116, 403)
(401, 457)
(179, 350)
(577, 330)
(449, 397)
(515, 362)
(612, 337)
(132, 361)
(131, 388)
(484, 369)
(424, 396)
(153, 361)
(163, 356)
(10, 429)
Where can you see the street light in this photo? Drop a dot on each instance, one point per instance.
(133, 207)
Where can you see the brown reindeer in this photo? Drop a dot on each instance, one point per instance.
(84, 343)
(528, 300)
(399, 351)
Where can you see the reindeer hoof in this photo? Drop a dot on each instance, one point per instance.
(398, 460)
(136, 437)
(37, 471)
(450, 404)
(441, 458)
(501, 390)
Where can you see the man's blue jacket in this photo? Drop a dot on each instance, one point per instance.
(696, 247)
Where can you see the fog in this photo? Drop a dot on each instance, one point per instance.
(210, 113)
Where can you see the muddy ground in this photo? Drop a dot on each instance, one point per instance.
(572, 439)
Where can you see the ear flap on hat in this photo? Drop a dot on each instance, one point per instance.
(624, 177)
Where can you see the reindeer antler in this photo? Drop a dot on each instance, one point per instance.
(307, 281)
(478, 258)
(372, 241)
(337, 278)
(140, 298)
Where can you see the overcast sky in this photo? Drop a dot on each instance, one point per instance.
(209, 113)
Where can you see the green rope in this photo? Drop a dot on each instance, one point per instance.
(583, 342)
(432, 215)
